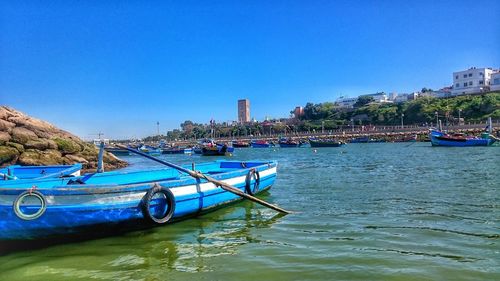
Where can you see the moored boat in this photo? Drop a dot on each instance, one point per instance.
(117, 151)
(288, 142)
(240, 144)
(360, 140)
(33, 209)
(16, 172)
(439, 138)
(260, 144)
(216, 150)
(366, 139)
(410, 138)
(150, 150)
(325, 143)
(177, 150)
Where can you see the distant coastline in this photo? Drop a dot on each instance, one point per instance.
(467, 112)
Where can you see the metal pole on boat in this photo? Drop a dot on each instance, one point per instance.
(100, 162)
(440, 125)
(490, 126)
(199, 175)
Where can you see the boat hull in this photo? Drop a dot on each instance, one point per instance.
(118, 151)
(439, 139)
(260, 145)
(239, 145)
(216, 151)
(286, 145)
(172, 151)
(31, 172)
(325, 144)
(73, 207)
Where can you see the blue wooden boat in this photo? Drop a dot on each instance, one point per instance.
(31, 209)
(16, 172)
(439, 138)
(150, 150)
(260, 144)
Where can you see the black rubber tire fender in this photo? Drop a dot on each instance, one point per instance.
(146, 202)
(252, 173)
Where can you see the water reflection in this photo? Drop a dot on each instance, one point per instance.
(186, 246)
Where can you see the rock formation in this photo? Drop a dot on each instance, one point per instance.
(29, 141)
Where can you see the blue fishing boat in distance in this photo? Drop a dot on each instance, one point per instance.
(150, 150)
(16, 172)
(32, 209)
(260, 144)
(439, 138)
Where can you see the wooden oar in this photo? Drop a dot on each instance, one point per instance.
(199, 175)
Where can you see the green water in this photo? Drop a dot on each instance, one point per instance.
(363, 212)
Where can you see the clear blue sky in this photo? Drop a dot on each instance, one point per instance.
(119, 66)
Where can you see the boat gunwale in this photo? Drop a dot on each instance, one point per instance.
(78, 189)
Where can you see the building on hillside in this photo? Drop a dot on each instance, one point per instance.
(472, 81)
(378, 97)
(244, 111)
(495, 82)
(401, 98)
(298, 111)
(346, 102)
(413, 96)
(441, 93)
(392, 96)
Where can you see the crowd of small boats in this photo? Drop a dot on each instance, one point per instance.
(210, 147)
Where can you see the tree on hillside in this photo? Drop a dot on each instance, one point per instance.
(364, 100)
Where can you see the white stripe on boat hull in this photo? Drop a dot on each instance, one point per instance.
(129, 197)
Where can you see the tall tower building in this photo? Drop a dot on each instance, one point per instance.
(243, 111)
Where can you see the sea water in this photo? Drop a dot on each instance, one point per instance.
(402, 211)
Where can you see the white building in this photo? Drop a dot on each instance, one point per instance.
(346, 102)
(378, 97)
(401, 98)
(392, 96)
(471, 81)
(495, 82)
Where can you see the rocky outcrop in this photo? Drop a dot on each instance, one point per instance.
(29, 141)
